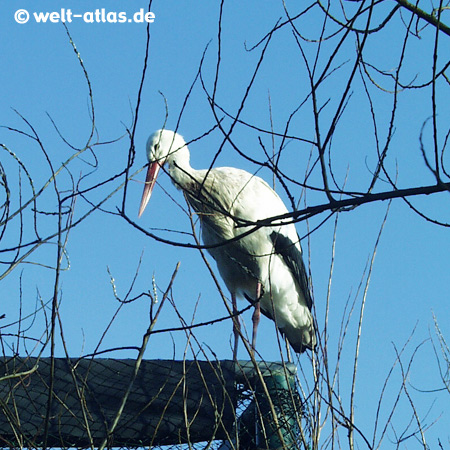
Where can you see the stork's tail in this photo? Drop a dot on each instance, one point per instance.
(301, 340)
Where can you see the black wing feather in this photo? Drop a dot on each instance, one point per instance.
(294, 260)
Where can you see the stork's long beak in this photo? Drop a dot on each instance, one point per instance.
(150, 180)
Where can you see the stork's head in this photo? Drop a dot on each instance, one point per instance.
(163, 146)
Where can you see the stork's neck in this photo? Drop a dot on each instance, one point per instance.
(180, 170)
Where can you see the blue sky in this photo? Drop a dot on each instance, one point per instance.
(42, 78)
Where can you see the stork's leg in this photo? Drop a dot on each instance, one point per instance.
(236, 326)
(256, 316)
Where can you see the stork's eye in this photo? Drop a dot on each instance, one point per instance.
(156, 146)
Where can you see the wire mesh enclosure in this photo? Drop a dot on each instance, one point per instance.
(94, 402)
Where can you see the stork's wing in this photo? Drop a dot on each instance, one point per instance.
(292, 256)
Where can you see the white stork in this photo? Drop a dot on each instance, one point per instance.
(266, 266)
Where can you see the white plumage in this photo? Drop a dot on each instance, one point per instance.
(266, 263)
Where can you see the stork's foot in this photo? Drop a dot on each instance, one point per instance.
(256, 317)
